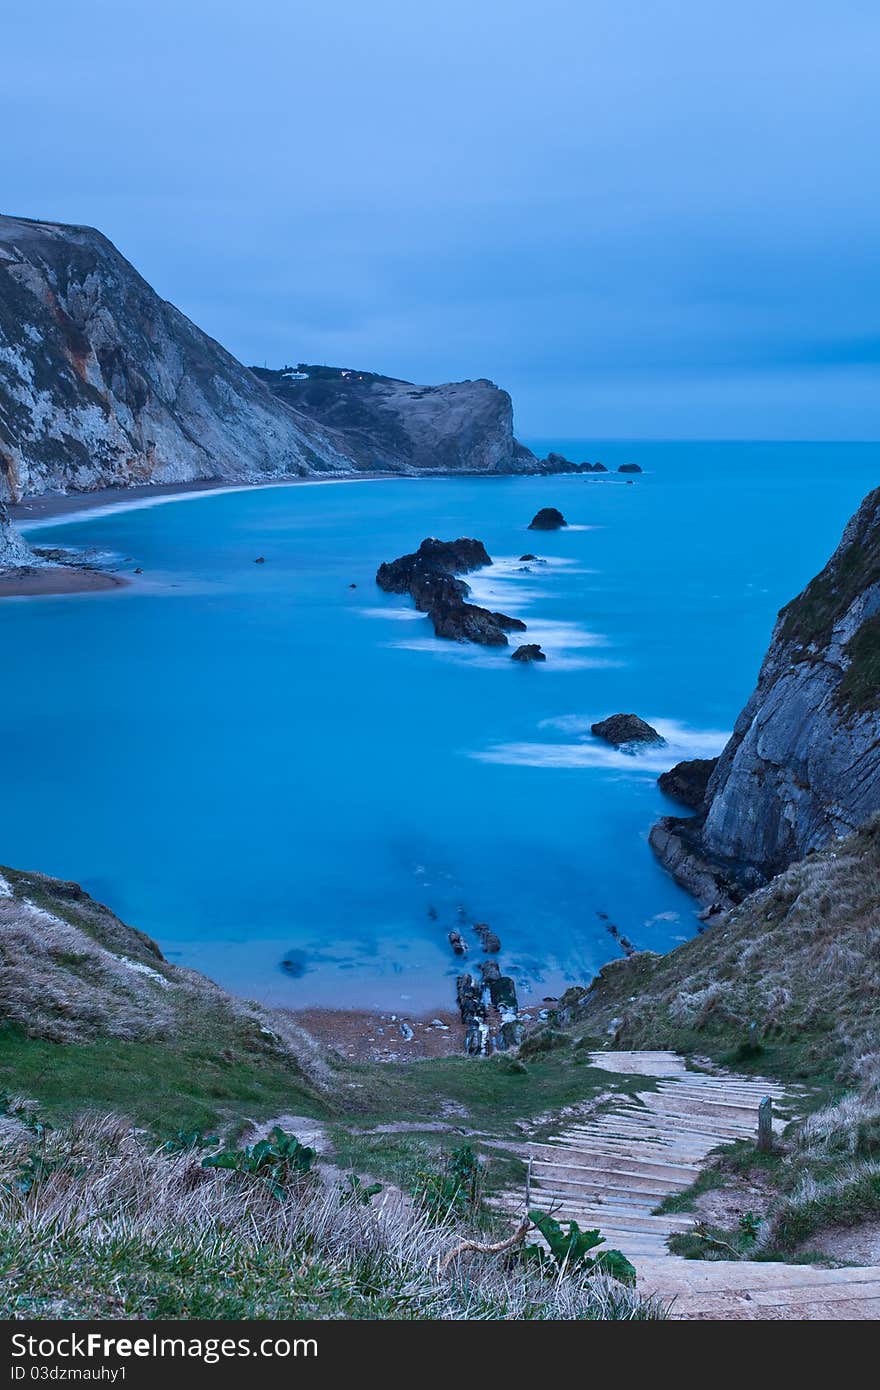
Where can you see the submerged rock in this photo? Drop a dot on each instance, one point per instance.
(623, 729)
(528, 557)
(547, 519)
(488, 939)
(457, 942)
(687, 781)
(530, 651)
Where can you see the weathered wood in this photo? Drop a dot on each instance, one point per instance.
(765, 1125)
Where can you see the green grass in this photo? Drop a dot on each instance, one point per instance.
(859, 689)
(163, 1086)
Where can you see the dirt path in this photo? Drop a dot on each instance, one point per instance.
(612, 1170)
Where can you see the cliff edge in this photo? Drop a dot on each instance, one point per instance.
(803, 764)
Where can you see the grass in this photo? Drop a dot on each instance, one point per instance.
(787, 984)
(859, 689)
(114, 1229)
(187, 1085)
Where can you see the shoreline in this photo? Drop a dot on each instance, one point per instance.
(380, 1035)
(59, 509)
(54, 509)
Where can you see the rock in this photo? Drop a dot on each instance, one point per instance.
(803, 764)
(599, 468)
(467, 622)
(260, 560)
(430, 576)
(488, 940)
(626, 729)
(547, 519)
(528, 557)
(469, 997)
(511, 1033)
(106, 384)
(459, 427)
(529, 652)
(490, 971)
(138, 570)
(406, 1032)
(457, 942)
(455, 557)
(352, 586)
(502, 991)
(687, 781)
(629, 468)
(15, 553)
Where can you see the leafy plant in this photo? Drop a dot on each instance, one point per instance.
(749, 1225)
(455, 1187)
(575, 1251)
(281, 1160)
(184, 1140)
(357, 1191)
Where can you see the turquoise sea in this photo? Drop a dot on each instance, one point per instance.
(258, 764)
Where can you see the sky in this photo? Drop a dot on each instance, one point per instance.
(644, 218)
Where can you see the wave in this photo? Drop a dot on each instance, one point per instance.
(682, 742)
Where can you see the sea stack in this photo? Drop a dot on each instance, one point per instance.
(547, 519)
(625, 730)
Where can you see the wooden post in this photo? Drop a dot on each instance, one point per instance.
(765, 1125)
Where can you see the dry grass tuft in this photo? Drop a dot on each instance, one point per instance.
(95, 1223)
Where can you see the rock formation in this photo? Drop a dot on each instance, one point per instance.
(547, 519)
(687, 781)
(429, 576)
(14, 551)
(624, 730)
(103, 383)
(530, 651)
(629, 468)
(395, 426)
(803, 763)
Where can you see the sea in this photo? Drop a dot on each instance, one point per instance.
(280, 773)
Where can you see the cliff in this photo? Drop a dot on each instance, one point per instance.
(803, 764)
(103, 383)
(460, 427)
(14, 552)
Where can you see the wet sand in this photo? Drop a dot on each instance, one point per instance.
(363, 1036)
(55, 580)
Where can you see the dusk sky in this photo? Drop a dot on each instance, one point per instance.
(645, 218)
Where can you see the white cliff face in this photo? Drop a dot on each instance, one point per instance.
(803, 764)
(105, 383)
(102, 383)
(14, 552)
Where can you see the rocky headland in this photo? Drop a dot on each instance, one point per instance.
(803, 764)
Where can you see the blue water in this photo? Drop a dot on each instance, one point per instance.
(257, 763)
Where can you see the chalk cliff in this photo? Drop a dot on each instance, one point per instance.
(103, 383)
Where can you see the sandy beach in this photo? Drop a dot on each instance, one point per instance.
(362, 1035)
(56, 509)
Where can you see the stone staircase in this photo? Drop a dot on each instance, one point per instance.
(612, 1170)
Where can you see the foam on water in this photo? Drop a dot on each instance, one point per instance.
(257, 763)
